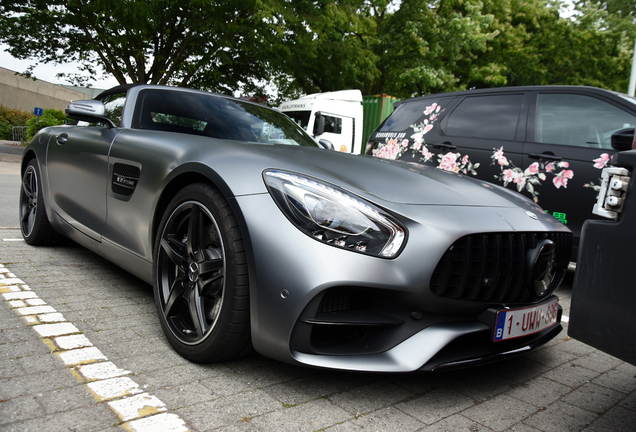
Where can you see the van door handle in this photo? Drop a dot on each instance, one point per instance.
(447, 146)
(549, 157)
(62, 138)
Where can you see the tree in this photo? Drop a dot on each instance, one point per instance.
(217, 45)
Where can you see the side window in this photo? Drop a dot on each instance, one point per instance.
(407, 114)
(333, 124)
(493, 117)
(578, 120)
(114, 104)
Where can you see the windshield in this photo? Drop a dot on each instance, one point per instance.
(216, 117)
(301, 118)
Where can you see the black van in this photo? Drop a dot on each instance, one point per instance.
(549, 143)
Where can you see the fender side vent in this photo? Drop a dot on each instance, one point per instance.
(125, 178)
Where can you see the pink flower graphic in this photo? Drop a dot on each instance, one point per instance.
(502, 161)
(508, 176)
(405, 143)
(534, 168)
(602, 161)
(430, 109)
(561, 179)
(448, 162)
(428, 128)
(549, 167)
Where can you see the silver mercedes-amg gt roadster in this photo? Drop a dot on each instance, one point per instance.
(256, 237)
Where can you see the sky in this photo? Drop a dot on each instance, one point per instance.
(48, 72)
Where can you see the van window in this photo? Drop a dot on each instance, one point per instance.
(493, 117)
(578, 120)
(407, 114)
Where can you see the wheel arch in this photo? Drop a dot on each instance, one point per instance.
(189, 174)
(28, 155)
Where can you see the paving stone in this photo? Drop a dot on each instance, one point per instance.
(307, 389)
(436, 405)
(561, 417)
(500, 412)
(457, 423)
(629, 402)
(228, 410)
(571, 375)
(539, 391)
(617, 419)
(94, 418)
(19, 409)
(482, 386)
(594, 398)
(365, 399)
(311, 416)
(621, 381)
(597, 361)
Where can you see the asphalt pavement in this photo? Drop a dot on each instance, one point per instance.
(81, 349)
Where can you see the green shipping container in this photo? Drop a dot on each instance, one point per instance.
(375, 109)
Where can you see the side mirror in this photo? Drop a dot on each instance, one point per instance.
(319, 124)
(623, 139)
(326, 144)
(92, 111)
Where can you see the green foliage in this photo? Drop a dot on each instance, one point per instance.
(10, 117)
(400, 47)
(50, 117)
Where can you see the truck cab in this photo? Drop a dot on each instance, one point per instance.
(333, 116)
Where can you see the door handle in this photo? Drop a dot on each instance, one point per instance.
(447, 146)
(545, 156)
(61, 139)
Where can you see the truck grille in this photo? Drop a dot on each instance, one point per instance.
(494, 267)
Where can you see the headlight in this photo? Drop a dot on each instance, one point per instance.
(335, 217)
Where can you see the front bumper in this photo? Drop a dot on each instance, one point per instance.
(409, 327)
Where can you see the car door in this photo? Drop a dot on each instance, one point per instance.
(569, 143)
(77, 167)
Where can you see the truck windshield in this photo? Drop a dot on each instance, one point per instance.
(300, 117)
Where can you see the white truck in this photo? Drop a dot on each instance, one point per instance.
(336, 117)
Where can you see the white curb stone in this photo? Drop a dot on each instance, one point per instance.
(35, 310)
(20, 295)
(141, 405)
(72, 342)
(82, 355)
(59, 329)
(158, 423)
(114, 388)
(101, 371)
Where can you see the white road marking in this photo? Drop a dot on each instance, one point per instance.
(565, 318)
(13, 240)
(140, 411)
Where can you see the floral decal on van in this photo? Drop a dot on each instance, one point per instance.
(532, 176)
(599, 163)
(397, 145)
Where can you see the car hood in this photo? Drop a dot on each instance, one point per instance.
(399, 182)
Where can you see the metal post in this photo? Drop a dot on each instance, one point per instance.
(632, 78)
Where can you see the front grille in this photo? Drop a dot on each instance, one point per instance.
(494, 267)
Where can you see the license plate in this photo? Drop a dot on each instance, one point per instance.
(514, 323)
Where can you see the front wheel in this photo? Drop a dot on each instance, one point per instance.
(200, 277)
(34, 223)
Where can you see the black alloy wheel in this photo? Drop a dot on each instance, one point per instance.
(34, 224)
(200, 277)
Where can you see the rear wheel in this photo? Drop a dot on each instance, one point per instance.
(200, 277)
(34, 223)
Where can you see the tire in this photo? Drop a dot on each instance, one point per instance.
(201, 283)
(34, 223)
